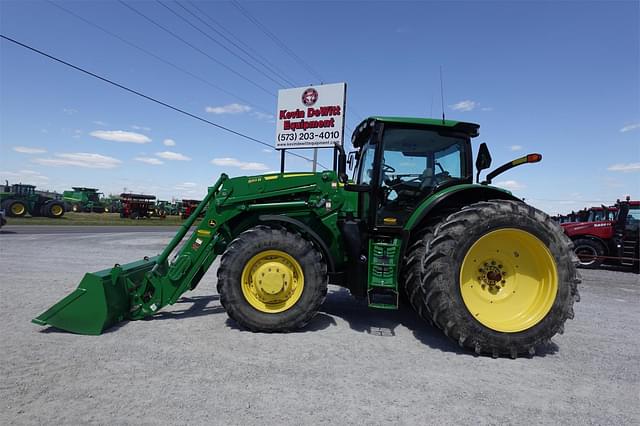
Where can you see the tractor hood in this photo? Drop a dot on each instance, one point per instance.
(270, 185)
(587, 228)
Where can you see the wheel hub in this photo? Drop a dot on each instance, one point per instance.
(272, 281)
(272, 278)
(508, 280)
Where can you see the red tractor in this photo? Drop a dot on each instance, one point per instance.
(614, 239)
(136, 206)
(188, 206)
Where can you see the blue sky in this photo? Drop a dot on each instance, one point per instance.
(559, 78)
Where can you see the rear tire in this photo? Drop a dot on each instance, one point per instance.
(287, 305)
(444, 293)
(54, 209)
(589, 253)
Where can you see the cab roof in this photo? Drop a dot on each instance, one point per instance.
(362, 132)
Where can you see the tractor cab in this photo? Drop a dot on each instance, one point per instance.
(402, 161)
(23, 190)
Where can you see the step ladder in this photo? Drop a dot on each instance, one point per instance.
(382, 288)
(628, 252)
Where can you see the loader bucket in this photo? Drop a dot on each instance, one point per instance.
(100, 301)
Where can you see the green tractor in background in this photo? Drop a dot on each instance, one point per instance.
(494, 274)
(87, 200)
(18, 199)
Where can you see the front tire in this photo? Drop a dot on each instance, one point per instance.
(16, 208)
(271, 280)
(497, 277)
(589, 253)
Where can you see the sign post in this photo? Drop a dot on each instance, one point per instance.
(310, 117)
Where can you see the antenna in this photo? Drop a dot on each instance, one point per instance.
(442, 93)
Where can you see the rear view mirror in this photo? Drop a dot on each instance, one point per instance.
(351, 159)
(483, 160)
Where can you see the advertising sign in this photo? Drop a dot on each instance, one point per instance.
(310, 117)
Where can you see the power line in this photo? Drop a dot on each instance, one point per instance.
(234, 44)
(264, 61)
(213, 39)
(285, 48)
(142, 95)
(147, 52)
(133, 9)
(276, 40)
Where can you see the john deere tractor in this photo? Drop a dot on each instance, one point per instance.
(18, 199)
(493, 273)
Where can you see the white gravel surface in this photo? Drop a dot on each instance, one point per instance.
(192, 365)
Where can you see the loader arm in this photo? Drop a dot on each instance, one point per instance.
(139, 289)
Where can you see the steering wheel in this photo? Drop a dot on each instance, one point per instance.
(387, 168)
(441, 177)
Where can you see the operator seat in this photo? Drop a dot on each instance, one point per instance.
(427, 179)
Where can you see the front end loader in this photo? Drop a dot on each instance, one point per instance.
(495, 274)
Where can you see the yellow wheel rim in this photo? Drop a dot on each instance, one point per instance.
(56, 210)
(18, 209)
(508, 280)
(272, 281)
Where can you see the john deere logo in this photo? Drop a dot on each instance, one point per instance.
(310, 96)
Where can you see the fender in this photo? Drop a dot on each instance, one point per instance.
(303, 227)
(455, 197)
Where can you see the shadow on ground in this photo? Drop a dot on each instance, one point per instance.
(341, 304)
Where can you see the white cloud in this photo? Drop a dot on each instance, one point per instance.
(267, 150)
(515, 147)
(169, 142)
(146, 129)
(69, 111)
(186, 185)
(149, 160)
(486, 109)
(99, 123)
(80, 159)
(77, 133)
(28, 150)
(229, 109)
(190, 189)
(173, 156)
(512, 185)
(628, 167)
(24, 176)
(262, 116)
(630, 127)
(120, 136)
(466, 105)
(232, 162)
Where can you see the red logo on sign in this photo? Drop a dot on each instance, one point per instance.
(310, 96)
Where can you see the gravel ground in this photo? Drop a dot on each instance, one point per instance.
(192, 365)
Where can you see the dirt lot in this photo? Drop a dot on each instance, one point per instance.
(191, 365)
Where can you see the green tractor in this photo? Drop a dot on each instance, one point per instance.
(493, 273)
(18, 199)
(85, 200)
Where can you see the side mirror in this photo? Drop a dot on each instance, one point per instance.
(483, 160)
(351, 159)
(342, 165)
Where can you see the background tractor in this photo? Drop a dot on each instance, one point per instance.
(493, 273)
(612, 240)
(85, 200)
(18, 199)
(136, 206)
(188, 207)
